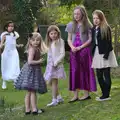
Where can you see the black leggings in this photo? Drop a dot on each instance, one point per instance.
(104, 80)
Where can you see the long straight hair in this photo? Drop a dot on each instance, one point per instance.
(51, 28)
(104, 26)
(86, 24)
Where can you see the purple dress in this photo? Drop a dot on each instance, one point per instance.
(81, 74)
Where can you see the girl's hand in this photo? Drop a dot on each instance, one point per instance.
(2, 41)
(74, 49)
(41, 60)
(2, 45)
(4, 37)
(78, 48)
(20, 45)
(55, 64)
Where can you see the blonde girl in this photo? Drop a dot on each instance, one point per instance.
(30, 77)
(103, 54)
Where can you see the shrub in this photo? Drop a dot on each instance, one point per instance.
(118, 60)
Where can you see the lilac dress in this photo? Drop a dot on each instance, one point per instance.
(81, 74)
(52, 72)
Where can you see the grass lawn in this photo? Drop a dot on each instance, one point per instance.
(84, 110)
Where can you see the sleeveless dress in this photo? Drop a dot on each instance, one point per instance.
(81, 74)
(31, 77)
(10, 67)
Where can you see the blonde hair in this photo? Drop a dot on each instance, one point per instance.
(42, 47)
(104, 26)
(86, 24)
(51, 28)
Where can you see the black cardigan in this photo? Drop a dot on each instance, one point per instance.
(104, 44)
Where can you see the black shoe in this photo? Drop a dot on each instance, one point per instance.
(28, 113)
(102, 98)
(72, 101)
(87, 98)
(38, 112)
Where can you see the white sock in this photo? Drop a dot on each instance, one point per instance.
(59, 97)
(54, 100)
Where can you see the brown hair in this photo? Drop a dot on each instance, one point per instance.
(104, 26)
(86, 24)
(35, 35)
(50, 28)
(7, 24)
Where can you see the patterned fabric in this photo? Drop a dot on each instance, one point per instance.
(31, 78)
(53, 72)
(81, 74)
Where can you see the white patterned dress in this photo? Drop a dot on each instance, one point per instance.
(52, 71)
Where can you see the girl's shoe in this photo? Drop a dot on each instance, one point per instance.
(28, 113)
(87, 98)
(102, 98)
(38, 112)
(60, 99)
(53, 103)
(72, 101)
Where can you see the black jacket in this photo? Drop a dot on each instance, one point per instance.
(104, 44)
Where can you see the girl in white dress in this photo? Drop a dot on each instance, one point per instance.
(9, 58)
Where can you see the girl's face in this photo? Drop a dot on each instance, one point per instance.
(96, 20)
(53, 35)
(77, 15)
(35, 42)
(10, 27)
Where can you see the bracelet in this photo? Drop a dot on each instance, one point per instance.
(80, 47)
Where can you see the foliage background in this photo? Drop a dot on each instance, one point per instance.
(28, 14)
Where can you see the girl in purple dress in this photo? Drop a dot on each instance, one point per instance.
(79, 39)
